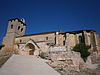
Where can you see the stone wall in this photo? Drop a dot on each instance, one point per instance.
(70, 41)
(50, 38)
(15, 28)
(60, 40)
(57, 48)
(61, 59)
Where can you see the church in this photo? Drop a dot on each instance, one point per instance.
(33, 44)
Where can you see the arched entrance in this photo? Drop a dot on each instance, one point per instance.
(30, 48)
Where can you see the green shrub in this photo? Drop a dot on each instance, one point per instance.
(83, 49)
(42, 55)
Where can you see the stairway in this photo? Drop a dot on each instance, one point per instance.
(26, 65)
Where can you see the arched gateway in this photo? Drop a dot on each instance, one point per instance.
(30, 48)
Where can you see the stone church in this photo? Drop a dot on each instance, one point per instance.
(33, 44)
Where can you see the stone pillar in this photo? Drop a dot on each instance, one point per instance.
(67, 41)
(93, 41)
(85, 37)
(96, 40)
(76, 40)
(37, 52)
(57, 38)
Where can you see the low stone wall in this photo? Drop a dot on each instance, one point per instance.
(60, 59)
(58, 48)
(95, 57)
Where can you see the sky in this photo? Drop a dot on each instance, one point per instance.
(51, 15)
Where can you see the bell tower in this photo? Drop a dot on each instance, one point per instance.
(16, 27)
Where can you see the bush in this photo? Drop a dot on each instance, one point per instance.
(83, 49)
(44, 55)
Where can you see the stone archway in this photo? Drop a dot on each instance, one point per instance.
(30, 48)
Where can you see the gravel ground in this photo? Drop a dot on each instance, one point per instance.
(82, 72)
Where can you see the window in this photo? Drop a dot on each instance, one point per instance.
(11, 26)
(21, 29)
(46, 38)
(81, 39)
(64, 42)
(18, 27)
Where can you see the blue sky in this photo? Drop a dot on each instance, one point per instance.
(51, 15)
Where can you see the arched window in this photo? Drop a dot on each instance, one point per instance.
(11, 26)
(21, 29)
(81, 39)
(18, 27)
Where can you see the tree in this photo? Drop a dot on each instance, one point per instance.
(83, 49)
